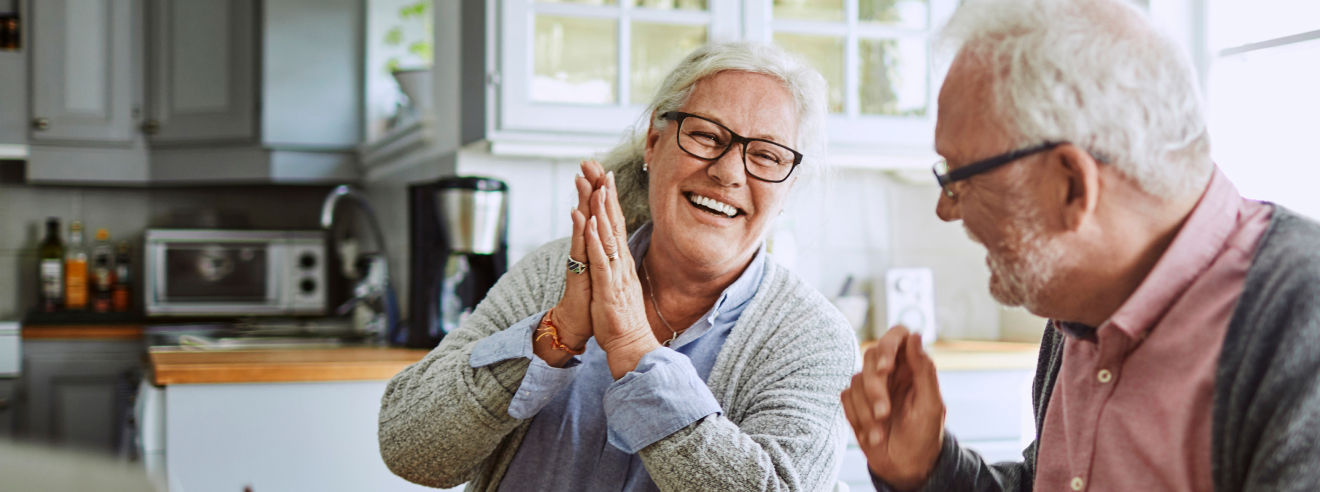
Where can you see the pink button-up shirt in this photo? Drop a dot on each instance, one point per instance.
(1131, 407)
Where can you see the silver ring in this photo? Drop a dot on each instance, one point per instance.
(613, 256)
(576, 266)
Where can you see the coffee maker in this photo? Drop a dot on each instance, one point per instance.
(458, 228)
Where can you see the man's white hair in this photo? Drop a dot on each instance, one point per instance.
(1095, 73)
(804, 83)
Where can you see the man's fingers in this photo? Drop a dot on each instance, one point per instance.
(925, 378)
(878, 366)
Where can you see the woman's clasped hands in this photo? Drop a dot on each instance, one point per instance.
(604, 299)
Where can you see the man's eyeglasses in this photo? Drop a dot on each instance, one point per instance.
(708, 140)
(947, 177)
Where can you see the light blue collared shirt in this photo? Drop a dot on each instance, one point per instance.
(586, 427)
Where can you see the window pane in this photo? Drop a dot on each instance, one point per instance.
(1238, 22)
(901, 13)
(581, 2)
(825, 53)
(673, 4)
(816, 10)
(656, 49)
(576, 60)
(1262, 108)
(893, 76)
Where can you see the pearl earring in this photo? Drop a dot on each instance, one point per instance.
(645, 167)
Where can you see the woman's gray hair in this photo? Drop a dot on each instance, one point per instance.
(805, 84)
(1095, 73)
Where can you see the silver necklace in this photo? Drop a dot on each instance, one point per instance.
(656, 305)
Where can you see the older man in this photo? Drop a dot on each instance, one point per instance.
(1183, 351)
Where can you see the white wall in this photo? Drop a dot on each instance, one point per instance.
(857, 222)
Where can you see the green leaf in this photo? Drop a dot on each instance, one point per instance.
(394, 37)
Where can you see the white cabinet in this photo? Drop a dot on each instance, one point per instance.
(989, 411)
(275, 436)
(574, 75)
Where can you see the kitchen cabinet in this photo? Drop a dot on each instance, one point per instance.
(255, 92)
(571, 76)
(202, 73)
(7, 406)
(194, 91)
(13, 112)
(84, 67)
(75, 392)
(82, 71)
(294, 419)
(989, 411)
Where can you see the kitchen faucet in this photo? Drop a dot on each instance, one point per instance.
(373, 290)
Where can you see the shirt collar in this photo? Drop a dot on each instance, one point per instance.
(1195, 246)
(734, 296)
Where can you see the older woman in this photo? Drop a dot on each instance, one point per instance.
(679, 358)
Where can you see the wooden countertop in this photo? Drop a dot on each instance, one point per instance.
(979, 355)
(80, 332)
(179, 366)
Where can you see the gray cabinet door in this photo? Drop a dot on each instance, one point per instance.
(7, 406)
(74, 390)
(202, 77)
(82, 71)
(13, 91)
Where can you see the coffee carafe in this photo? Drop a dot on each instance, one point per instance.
(458, 229)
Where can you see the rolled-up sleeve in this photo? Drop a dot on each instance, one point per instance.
(662, 395)
(542, 381)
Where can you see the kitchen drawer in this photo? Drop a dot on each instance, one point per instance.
(7, 408)
(988, 405)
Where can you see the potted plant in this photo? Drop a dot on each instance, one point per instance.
(411, 65)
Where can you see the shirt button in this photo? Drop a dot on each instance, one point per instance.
(1077, 483)
(1104, 375)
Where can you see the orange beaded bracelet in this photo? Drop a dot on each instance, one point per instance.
(548, 328)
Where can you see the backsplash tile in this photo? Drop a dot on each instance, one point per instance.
(127, 212)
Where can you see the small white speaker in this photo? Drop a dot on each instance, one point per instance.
(910, 301)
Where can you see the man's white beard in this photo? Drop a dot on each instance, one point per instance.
(1026, 264)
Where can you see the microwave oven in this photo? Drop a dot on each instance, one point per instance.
(210, 272)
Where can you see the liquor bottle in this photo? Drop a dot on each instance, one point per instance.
(10, 34)
(102, 271)
(121, 296)
(52, 267)
(75, 270)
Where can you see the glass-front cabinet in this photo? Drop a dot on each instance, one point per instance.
(582, 70)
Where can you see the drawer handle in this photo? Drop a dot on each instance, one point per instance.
(40, 123)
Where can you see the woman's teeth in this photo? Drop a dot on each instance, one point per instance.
(713, 205)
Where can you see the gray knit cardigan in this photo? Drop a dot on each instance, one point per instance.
(777, 380)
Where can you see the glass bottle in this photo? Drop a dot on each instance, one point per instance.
(121, 295)
(102, 271)
(51, 254)
(75, 269)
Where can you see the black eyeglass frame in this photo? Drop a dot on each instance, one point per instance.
(984, 165)
(678, 116)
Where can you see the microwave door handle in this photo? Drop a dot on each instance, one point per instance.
(275, 257)
(157, 291)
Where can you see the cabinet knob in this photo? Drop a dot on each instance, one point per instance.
(151, 127)
(40, 123)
